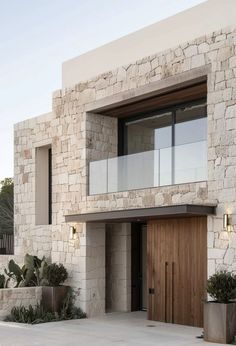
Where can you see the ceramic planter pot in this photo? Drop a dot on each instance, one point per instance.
(53, 297)
(219, 322)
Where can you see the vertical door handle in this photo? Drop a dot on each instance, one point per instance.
(173, 292)
(166, 283)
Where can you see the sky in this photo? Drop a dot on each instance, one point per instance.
(37, 36)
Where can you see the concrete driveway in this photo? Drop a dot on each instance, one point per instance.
(117, 328)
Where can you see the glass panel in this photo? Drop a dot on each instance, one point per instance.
(165, 166)
(191, 112)
(149, 133)
(163, 137)
(195, 167)
(190, 143)
(114, 167)
(131, 172)
(191, 131)
(149, 169)
(98, 177)
(191, 125)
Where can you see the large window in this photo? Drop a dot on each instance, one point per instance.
(161, 141)
(163, 129)
(175, 136)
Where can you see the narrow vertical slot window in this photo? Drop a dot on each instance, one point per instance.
(50, 186)
(43, 185)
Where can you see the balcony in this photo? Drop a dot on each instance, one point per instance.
(173, 165)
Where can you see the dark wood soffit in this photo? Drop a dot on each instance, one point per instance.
(144, 213)
(169, 99)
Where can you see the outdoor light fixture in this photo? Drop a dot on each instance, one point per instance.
(72, 232)
(225, 221)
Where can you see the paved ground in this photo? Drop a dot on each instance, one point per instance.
(118, 329)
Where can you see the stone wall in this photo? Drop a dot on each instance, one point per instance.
(11, 297)
(118, 267)
(77, 137)
(29, 238)
(94, 275)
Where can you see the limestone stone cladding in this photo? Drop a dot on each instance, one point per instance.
(118, 267)
(78, 135)
(24, 296)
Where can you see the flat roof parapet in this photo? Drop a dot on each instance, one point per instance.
(168, 33)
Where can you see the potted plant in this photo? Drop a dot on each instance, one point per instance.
(54, 293)
(220, 314)
(37, 272)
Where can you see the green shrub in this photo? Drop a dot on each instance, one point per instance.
(31, 315)
(69, 311)
(222, 286)
(56, 274)
(38, 314)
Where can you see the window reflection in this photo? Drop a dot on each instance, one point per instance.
(191, 125)
(182, 125)
(164, 148)
(149, 133)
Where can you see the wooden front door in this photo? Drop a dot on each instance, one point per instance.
(177, 270)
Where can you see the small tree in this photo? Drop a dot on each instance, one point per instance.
(222, 286)
(6, 206)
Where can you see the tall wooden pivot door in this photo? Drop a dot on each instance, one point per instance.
(177, 270)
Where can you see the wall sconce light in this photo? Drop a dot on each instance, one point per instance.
(72, 232)
(226, 222)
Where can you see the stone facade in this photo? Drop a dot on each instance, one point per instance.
(11, 297)
(78, 137)
(28, 136)
(118, 267)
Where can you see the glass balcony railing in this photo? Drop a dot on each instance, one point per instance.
(175, 165)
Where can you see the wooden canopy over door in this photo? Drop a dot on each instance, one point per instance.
(177, 270)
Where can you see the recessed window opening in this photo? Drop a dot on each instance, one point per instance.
(170, 136)
(43, 185)
(161, 141)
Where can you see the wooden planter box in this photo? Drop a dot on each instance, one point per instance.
(219, 322)
(53, 297)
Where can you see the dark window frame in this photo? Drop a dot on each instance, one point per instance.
(122, 128)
